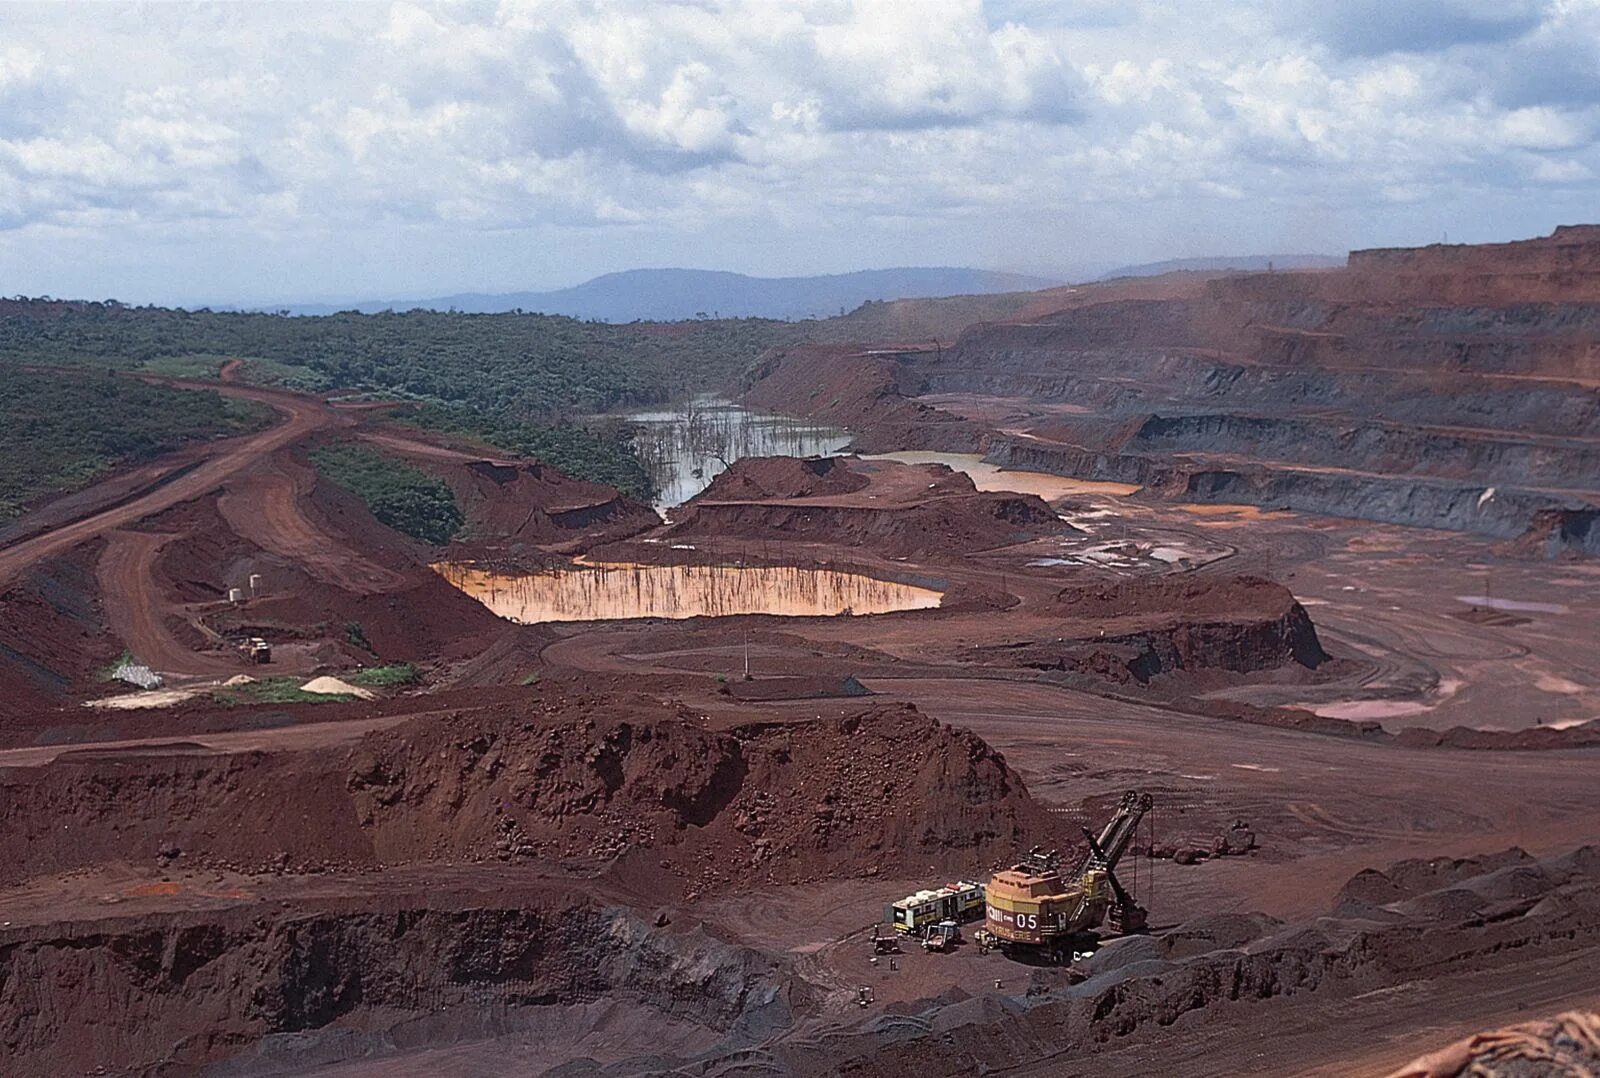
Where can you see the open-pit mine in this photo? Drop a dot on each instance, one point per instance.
(1195, 674)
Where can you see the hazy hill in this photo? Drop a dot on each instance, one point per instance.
(674, 294)
(1240, 262)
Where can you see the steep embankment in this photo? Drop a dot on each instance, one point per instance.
(53, 634)
(1137, 629)
(627, 780)
(338, 976)
(1445, 387)
(925, 511)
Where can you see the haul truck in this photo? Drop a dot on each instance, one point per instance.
(1034, 909)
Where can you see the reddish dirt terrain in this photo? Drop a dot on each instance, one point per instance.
(303, 416)
(595, 847)
(510, 504)
(1451, 387)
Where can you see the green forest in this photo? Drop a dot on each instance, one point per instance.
(524, 367)
(602, 456)
(526, 383)
(60, 432)
(407, 500)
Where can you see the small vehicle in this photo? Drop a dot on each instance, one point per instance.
(942, 937)
(889, 944)
(255, 650)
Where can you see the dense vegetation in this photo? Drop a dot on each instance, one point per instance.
(399, 495)
(601, 455)
(517, 366)
(522, 382)
(59, 432)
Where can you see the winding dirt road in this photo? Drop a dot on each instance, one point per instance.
(268, 505)
(136, 609)
(302, 416)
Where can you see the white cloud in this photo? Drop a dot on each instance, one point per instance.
(788, 129)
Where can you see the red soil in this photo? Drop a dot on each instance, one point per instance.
(52, 634)
(842, 386)
(925, 511)
(752, 479)
(514, 502)
(564, 776)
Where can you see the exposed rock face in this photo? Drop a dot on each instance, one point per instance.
(1447, 387)
(188, 989)
(52, 634)
(530, 502)
(1134, 630)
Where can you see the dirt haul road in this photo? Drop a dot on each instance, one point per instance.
(302, 416)
(137, 610)
(269, 506)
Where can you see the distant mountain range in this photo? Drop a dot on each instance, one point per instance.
(666, 295)
(1241, 262)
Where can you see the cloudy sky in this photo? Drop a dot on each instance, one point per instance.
(251, 152)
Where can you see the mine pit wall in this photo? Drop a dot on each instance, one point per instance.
(1486, 459)
(184, 990)
(53, 634)
(1239, 646)
(1126, 381)
(1575, 532)
(1266, 394)
(1407, 500)
(1238, 971)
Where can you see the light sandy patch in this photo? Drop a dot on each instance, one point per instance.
(135, 701)
(1551, 683)
(1361, 710)
(332, 686)
(1512, 604)
(986, 476)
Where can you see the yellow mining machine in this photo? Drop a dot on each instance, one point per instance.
(255, 650)
(1034, 909)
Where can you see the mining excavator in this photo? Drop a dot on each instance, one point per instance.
(1035, 910)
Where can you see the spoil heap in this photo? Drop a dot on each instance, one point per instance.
(530, 502)
(1134, 629)
(754, 479)
(624, 780)
(924, 511)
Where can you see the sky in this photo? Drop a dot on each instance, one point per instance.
(252, 152)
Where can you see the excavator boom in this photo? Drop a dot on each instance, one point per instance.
(1119, 831)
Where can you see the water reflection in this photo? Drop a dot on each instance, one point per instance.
(684, 449)
(986, 476)
(607, 592)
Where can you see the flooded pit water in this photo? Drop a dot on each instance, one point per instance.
(684, 449)
(608, 592)
(986, 476)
